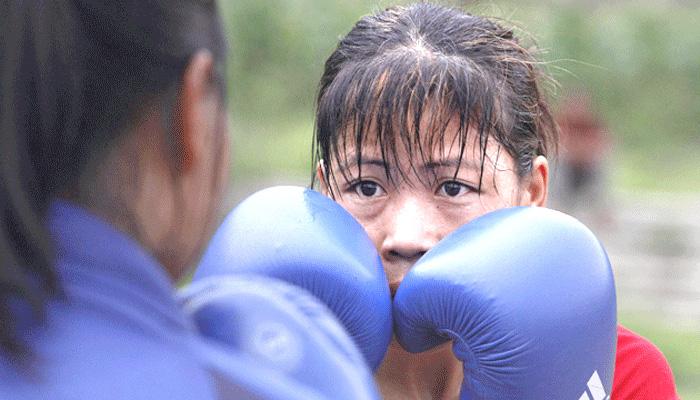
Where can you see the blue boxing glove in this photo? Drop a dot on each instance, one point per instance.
(304, 238)
(283, 328)
(527, 297)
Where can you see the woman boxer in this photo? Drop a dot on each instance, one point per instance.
(427, 118)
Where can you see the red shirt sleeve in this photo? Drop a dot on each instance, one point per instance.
(641, 370)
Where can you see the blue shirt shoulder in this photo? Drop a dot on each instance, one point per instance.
(118, 331)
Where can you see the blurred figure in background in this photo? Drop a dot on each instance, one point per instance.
(580, 182)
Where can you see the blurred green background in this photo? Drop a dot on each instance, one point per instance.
(641, 63)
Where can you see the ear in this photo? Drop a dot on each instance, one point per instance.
(321, 176)
(196, 112)
(537, 185)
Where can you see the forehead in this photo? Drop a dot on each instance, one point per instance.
(436, 145)
(432, 138)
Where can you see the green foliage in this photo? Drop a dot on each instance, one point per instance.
(278, 48)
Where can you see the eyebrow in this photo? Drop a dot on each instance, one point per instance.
(354, 162)
(451, 163)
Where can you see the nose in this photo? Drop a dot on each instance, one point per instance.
(411, 230)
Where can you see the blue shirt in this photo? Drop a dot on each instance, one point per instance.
(119, 333)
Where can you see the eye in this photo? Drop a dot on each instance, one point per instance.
(453, 189)
(367, 189)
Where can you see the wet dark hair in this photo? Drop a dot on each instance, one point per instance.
(406, 64)
(74, 76)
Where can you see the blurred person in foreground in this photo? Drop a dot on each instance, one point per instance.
(428, 118)
(113, 160)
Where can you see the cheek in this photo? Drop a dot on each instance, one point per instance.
(495, 201)
(509, 191)
(453, 217)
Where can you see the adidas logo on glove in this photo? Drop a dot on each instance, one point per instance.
(595, 389)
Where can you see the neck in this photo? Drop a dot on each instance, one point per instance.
(130, 185)
(434, 374)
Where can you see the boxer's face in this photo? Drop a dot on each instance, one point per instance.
(429, 199)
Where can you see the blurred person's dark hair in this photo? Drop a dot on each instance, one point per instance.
(424, 61)
(74, 77)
